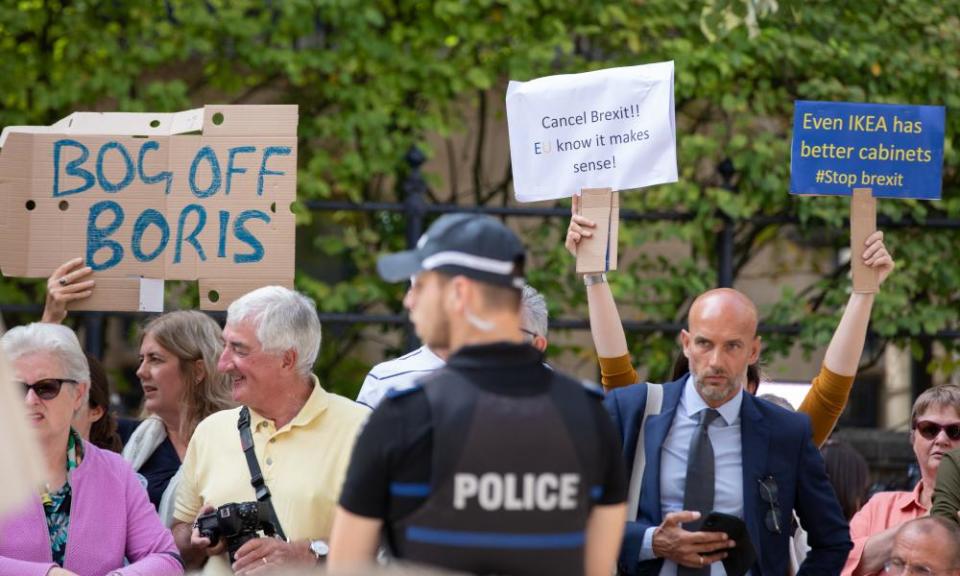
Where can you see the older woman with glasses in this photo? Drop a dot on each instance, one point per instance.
(178, 373)
(90, 494)
(935, 430)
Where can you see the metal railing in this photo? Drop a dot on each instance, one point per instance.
(415, 210)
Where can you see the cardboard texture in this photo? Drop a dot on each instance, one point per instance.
(205, 195)
(599, 253)
(863, 223)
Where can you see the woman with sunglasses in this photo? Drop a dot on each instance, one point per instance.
(90, 494)
(181, 385)
(935, 430)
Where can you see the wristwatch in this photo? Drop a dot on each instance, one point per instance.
(319, 549)
(591, 279)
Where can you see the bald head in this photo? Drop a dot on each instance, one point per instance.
(721, 343)
(725, 305)
(930, 541)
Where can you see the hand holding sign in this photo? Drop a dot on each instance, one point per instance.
(876, 256)
(68, 283)
(580, 229)
(597, 133)
(145, 197)
(866, 151)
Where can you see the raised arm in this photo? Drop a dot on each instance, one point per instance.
(831, 388)
(846, 347)
(606, 328)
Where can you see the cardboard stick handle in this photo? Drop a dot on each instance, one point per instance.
(599, 252)
(863, 223)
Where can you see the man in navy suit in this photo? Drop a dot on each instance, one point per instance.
(760, 457)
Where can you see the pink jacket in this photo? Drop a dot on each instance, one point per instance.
(111, 519)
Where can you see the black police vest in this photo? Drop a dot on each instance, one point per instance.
(511, 486)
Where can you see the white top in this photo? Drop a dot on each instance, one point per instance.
(398, 374)
(724, 434)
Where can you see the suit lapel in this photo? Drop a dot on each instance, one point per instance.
(755, 439)
(654, 435)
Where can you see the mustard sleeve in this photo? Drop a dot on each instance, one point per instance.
(825, 401)
(617, 372)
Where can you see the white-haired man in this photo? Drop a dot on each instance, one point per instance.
(403, 372)
(302, 438)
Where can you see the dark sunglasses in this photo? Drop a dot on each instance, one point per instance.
(768, 493)
(46, 389)
(931, 430)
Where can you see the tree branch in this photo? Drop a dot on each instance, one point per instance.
(249, 92)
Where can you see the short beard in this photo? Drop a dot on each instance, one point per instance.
(720, 394)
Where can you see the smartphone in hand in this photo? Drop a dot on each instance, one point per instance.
(740, 558)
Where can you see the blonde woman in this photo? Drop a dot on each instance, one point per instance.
(181, 387)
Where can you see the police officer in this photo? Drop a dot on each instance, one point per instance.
(493, 463)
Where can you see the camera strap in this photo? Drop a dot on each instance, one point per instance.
(256, 476)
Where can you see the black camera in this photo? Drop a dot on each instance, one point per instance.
(236, 524)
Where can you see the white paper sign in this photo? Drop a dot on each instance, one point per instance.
(610, 128)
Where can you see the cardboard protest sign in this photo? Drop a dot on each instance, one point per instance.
(896, 151)
(198, 195)
(610, 128)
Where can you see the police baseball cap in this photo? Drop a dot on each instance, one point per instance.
(476, 246)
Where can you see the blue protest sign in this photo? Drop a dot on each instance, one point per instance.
(897, 151)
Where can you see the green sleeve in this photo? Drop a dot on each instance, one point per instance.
(946, 495)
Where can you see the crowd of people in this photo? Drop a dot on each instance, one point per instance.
(469, 454)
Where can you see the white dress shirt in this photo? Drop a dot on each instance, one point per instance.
(724, 434)
(398, 373)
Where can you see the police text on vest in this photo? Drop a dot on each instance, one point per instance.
(515, 492)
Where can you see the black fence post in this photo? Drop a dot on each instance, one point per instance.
(93, 325)
(414, 191)
(725, 237)
(414, 213)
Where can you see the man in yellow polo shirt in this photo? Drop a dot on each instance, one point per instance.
(302, 437)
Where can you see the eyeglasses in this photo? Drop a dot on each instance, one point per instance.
(529, 333)
(931, 430)
(896, 567)
(46, 389)
(768, 493)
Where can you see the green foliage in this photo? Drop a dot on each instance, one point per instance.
(373, 78)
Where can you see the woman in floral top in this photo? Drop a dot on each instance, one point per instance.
(92, 516)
